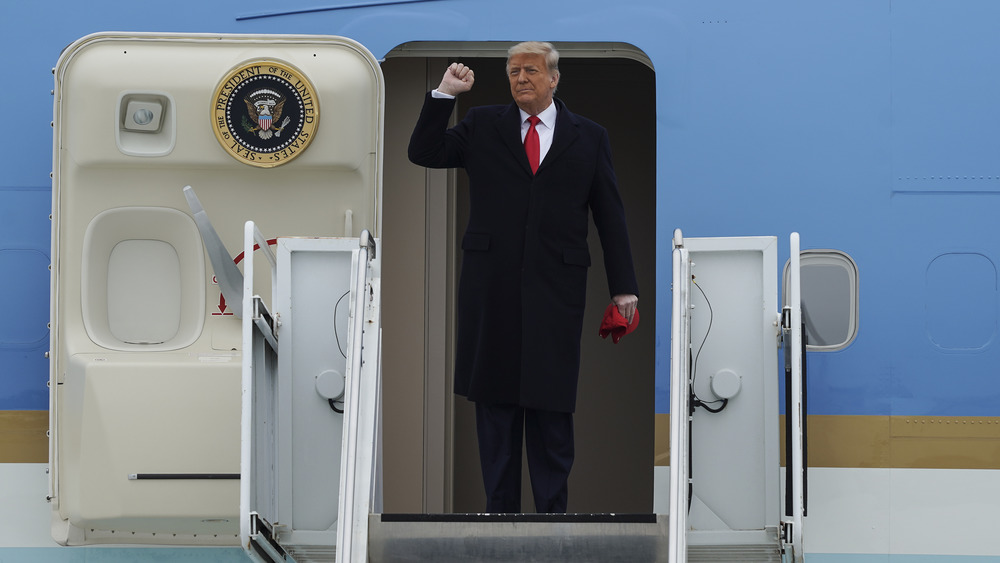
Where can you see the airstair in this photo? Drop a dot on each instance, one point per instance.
(724, 441)
(724, 487)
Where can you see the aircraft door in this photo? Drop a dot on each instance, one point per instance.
(146, 346)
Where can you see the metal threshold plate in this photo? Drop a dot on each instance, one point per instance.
(579, 538)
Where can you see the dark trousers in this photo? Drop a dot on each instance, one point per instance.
(549, 445)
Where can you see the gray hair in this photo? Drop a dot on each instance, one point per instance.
(542, 48)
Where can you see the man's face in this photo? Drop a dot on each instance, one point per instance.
(531, 84)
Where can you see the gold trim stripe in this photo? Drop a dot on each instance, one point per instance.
(23, 436)
(834, 441)
(940, 442)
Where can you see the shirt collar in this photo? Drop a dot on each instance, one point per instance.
(547, 115)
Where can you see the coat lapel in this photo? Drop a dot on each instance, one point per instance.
(509, 127)
(566, 133)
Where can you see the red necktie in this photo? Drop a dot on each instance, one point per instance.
(531, 143)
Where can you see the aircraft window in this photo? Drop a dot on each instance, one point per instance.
(829, 289)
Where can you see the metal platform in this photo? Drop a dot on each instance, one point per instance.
(580, 538)
(517, 537)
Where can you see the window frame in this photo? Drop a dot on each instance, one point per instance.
(830, 257)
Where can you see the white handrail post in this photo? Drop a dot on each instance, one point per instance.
(246, 412)
(795, 301)
(680, 337)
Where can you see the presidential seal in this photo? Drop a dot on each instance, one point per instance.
(265, 113)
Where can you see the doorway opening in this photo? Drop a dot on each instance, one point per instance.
(430, 453)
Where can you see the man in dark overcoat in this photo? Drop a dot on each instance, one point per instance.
(525, 258)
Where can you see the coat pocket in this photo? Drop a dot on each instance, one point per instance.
(576, 257)
(476, 241)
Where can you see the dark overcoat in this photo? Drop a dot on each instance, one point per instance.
(523, 285)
